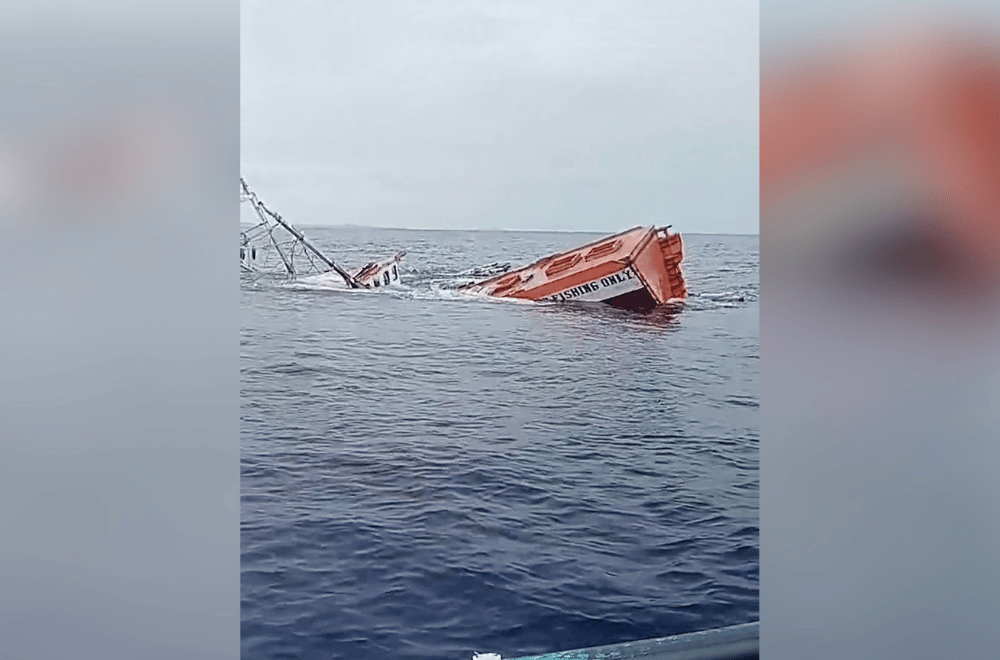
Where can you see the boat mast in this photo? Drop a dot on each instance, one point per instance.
(261, 209)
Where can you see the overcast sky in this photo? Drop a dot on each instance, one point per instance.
(469, 114)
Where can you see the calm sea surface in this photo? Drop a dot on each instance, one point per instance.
(427, 475)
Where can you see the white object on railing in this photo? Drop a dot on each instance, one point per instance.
(486, 656)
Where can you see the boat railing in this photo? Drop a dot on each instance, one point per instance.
(741, 642)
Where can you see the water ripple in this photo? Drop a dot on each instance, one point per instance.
(425, 475)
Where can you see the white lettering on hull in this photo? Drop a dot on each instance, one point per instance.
(605, 288)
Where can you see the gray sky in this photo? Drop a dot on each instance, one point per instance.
(563, 114)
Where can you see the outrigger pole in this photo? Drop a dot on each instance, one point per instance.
(261, 209)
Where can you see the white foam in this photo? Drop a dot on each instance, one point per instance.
(321, 281)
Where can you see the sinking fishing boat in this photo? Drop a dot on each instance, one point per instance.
(636, 269)
(276, 247)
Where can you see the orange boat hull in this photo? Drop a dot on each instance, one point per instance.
(636, 269)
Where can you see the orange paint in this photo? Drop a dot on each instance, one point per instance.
(638, 268)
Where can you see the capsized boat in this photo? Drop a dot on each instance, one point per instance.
(275, 246)
(636, 269)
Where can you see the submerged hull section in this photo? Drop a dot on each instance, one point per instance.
(373, 276)
(383, 273)
(637, 269)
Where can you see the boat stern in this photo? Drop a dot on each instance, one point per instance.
(672, 250)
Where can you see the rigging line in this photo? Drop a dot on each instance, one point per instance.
(261, 208)
(288, 265)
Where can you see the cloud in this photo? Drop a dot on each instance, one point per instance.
(586, 115)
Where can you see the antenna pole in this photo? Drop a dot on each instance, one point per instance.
(261, 209)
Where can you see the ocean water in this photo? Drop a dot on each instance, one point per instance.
(426, 475)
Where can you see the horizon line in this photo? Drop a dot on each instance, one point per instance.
(528, 231)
